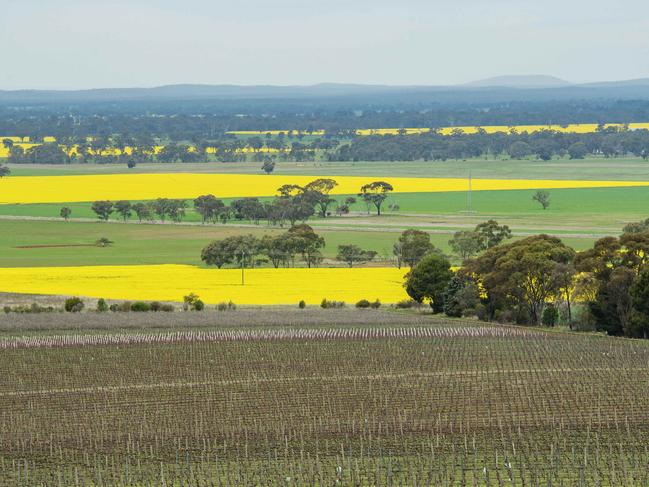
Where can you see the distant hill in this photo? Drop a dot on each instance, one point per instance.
(501, 89)
(535, 81)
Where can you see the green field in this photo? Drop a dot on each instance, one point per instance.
(579, 216)
(588, 211)
(614, 169)
(50, 243)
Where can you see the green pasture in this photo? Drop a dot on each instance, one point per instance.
(596, 168)
(54, 243)
(590, 210)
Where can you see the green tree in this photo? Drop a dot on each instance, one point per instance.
(428, 280)
(318, 192)
(519, 276)
(208, 207)
(467, 244)
(578, 150)
(519, 150)
(268, 167)
(143, 211)
(543, 198)
(65, 213)
(124, 208)
(103, 209)
(353, 254)
(639, 325)
(411, 247)
(375, 193)
(4, 171)
(493, 233)
(308, 243)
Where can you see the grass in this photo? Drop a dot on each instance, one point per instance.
(588, 210)
(600, 168)
(442, 403)
(161, 244)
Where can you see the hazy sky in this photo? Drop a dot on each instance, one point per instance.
(90, 43)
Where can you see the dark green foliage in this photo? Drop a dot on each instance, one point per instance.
(412, 246)
(353, 254)
(375, 194)
(140, 306)
(301, 304)
(65, 213)
(428, 281)
(328, 304)
(550, 315)
(73, 305)
(102, 307)
(542, 197)
(520, 275)
(406, 304)
(103, 209)
(363, 303)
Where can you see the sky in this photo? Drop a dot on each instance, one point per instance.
(80, 44)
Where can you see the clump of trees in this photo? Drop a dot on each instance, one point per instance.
(485, 236)
(539, 280)
(280, 250)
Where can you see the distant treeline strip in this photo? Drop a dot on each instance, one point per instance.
(418, 144)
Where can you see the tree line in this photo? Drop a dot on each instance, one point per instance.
(283, 250)
(209, 119)
(294, 203)
(545, 145)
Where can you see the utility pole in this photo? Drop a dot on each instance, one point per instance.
(243, 266)
(469, 202)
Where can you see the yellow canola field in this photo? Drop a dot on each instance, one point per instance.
(59, 189)
(582, 128)
(171, 282)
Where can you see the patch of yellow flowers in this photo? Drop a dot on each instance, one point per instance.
(60, 189)
(583, 128)
(171, 282)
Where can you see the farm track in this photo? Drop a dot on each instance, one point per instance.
(352, 226)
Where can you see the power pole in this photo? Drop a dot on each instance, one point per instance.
(243, 266)
(469, 195)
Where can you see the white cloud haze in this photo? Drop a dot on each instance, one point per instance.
(66, 44)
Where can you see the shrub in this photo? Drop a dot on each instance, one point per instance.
(189, 301)
(125, 306)
(550, 315)
(223, 306)
(7, 309)
(167, 308)
(405, 304)
(363, 303)
(140, 306)
(73, 305)
(155, 305)
(375, 304)
(301, 304)
(326, 304)
(102, 307)
(114, 307)
(198, 305)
